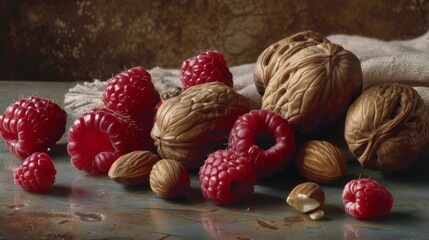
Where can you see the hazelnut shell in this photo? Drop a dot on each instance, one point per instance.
(321, 162)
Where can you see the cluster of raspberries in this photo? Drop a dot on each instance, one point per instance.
(31, 126)
(260, 143)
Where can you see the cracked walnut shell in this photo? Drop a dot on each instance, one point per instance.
(271, 59)
(314, 87)
(387, 127)
(197, 122)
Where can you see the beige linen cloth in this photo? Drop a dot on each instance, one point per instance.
(404, 62)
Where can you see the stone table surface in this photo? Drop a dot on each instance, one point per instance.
(81, 206)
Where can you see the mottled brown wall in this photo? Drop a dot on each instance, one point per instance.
(81, 40)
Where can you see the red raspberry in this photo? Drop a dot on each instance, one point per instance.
(37, 172)
(31, 125)
(226, 177)
(265, 138)
(99, 137)
(208, 66)
(132, 92)
(366, 198)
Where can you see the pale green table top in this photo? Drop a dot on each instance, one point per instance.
(80, 206)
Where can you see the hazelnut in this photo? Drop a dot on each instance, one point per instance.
(133, 168)
(169, 178)
(321, 162)
(306, 197)
(387, 127)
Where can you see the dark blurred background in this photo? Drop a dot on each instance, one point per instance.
(78, 40)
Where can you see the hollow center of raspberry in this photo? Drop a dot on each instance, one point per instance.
(264, 140)
(97, 142)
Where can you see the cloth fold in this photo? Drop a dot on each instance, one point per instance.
(405, 62)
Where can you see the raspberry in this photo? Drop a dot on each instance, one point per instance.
(226, 177)
(99, 137)
(265, 138)
(132, 92)
(31, 125)
(366, 198)
(37, 172)
(208, 66)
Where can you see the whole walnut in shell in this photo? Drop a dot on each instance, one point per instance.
(387, 127)
(197, 122)
(271, 59)
(314, 87)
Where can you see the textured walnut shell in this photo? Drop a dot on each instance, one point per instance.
(271, 59)
(169, 179)
(133, 168)
(315, 87)
(197, 122)
(387, 127)
(321, 162)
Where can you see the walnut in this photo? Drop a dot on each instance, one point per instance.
(197, 122)
(314, 87)
(387, 127)
(271, 59)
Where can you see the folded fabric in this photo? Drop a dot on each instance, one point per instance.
(405, 62)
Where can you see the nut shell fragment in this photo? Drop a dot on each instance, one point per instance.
(387, 127)
(306, 197)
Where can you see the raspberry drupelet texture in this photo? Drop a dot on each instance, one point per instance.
(130, 92)
(32, 124)
(99, 137)
(37, 173)
(133, 93)
(265, 138)
(226, 177)
(208, 66)
(366, 198)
